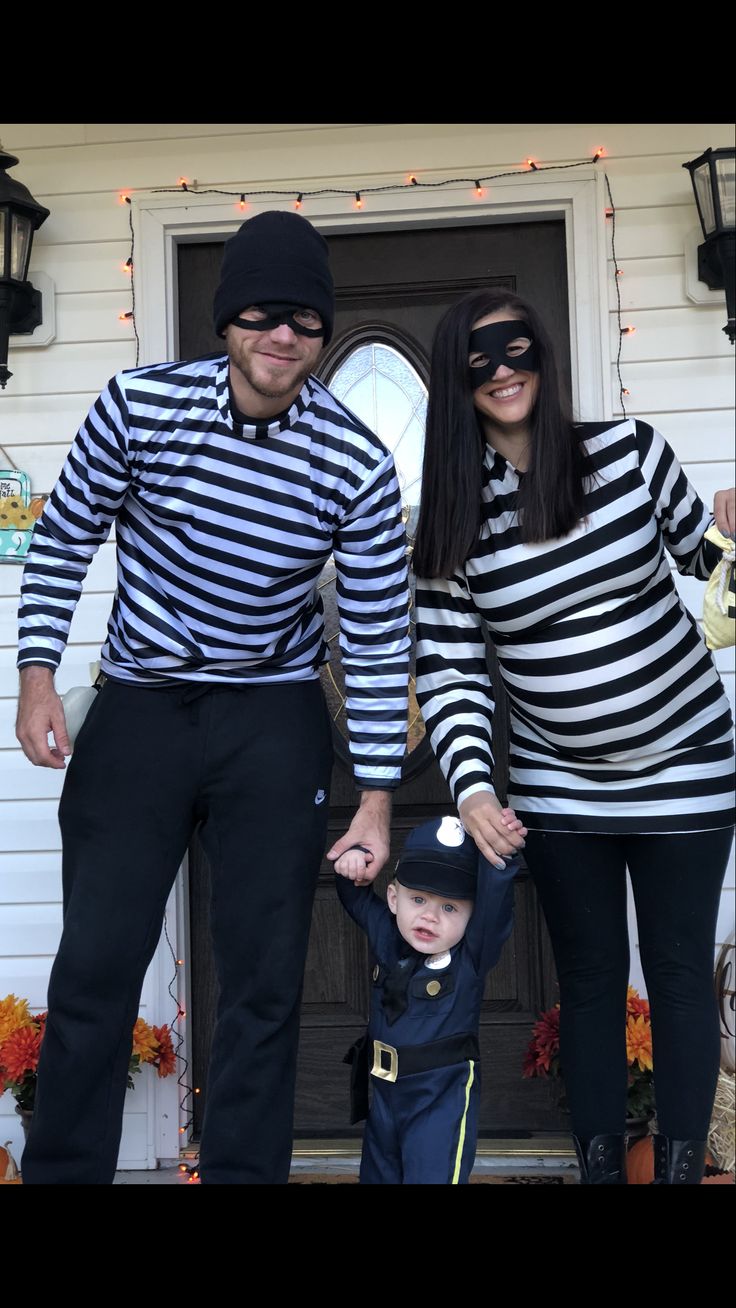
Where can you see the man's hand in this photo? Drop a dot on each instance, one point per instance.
(724, 512)
(40, 711)
(496, 831)
(371, 828)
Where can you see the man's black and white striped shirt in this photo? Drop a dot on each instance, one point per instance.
(222, 532)
(619, 720)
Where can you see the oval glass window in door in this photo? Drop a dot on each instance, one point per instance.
(382, 388)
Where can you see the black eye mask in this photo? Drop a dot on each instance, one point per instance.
(276, 315)
(493, 341)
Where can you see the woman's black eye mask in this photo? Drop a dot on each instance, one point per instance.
(493, 341)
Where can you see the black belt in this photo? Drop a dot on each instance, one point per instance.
(390, 1063)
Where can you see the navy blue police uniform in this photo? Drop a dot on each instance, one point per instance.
(420, 1053)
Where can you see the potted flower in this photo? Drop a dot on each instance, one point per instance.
(21, 1034)
(543, 1056)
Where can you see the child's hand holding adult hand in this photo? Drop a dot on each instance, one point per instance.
(353, 864)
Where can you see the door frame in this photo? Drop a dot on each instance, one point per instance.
(161, 223)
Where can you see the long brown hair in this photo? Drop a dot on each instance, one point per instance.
(550, 499)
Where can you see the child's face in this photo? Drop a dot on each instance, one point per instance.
(431, 923)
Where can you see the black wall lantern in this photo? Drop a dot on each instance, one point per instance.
(20, 303)
(712, 176)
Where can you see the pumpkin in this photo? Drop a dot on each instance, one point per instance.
(8, 1169)
(36, 505)
(640, 1164)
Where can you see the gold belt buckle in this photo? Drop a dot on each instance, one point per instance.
(391, 1072)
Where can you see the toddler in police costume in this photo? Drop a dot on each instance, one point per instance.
(447, 915)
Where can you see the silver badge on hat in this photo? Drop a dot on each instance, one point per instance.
(451, 832)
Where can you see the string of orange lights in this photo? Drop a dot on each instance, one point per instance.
(531, 165)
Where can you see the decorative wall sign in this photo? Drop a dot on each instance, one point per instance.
(726, 994)
(18, 514)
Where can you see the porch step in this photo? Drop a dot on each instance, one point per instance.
(533, 1155)
(528, 1158)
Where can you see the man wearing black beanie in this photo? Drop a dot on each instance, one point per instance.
(232, 480)
(275, 308)
(275, 256)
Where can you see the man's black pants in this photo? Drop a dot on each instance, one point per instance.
(253, 765)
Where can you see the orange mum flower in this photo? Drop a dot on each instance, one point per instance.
(639, 1043)
(14, 1014)
(20, 1053)
(145, 1044)
(635, 1006)
(166, 1061)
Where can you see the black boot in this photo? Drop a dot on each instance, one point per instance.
(678, 1162)
(602, 1160)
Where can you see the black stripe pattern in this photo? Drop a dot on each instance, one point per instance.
(223, 530)
(619, 720)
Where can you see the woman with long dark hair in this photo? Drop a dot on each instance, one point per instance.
(551, 535)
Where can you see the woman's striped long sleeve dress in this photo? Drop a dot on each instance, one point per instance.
(619, 720)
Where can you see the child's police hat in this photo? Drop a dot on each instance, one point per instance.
(441, 858)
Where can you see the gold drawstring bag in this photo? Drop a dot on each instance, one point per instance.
(719, 605)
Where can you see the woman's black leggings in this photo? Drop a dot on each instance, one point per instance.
(676, 880)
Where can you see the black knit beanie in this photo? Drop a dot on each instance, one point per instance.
(279, 258)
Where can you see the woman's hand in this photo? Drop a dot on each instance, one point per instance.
(497, 831)
(724, 511)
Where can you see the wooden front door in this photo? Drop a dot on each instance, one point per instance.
(392, 288)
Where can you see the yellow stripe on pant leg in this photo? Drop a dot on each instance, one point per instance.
(461, 1141)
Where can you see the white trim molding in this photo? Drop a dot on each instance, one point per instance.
(164, 1136)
